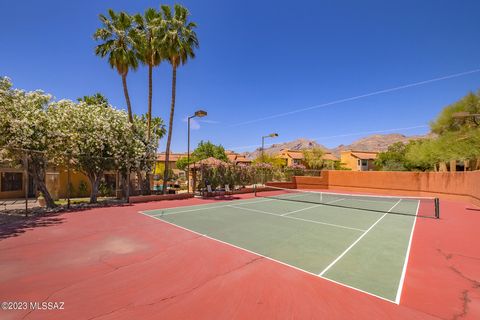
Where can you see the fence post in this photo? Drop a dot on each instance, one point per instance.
(437, 208)
(25, 181)
(127, 196)
(68, 182)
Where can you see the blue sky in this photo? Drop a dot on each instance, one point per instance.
(259, 59)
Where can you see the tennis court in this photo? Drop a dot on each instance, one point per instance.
(358, 241)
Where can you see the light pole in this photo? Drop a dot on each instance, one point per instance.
(199, 114)
(271, 135)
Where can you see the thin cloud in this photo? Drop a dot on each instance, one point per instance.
(208, 121)
(195, 123)
(374, 93)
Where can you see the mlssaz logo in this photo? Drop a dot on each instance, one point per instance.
(47, 305)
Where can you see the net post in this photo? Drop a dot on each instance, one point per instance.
(437, 208)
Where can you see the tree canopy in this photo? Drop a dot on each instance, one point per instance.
(204, 150)
(314, 158)
(91, 137)
(448, 120)
(457, 138)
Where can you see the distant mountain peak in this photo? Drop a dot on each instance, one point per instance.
(375, 142)
(298, 144)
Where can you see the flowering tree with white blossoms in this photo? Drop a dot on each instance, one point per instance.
(92, 138)
(96, 139)
(26, 131)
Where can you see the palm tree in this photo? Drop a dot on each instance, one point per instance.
(118, 46)
(179, 41)
(147, 38)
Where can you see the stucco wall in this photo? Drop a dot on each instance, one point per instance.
(464, 186)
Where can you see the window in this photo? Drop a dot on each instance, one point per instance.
(11, 181)
(364, 163)
(358, 162)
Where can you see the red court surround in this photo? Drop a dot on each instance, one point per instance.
(114, 263)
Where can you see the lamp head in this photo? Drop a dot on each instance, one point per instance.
(200, 113)
(273, 135)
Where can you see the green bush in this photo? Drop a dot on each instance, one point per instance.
(82, 189)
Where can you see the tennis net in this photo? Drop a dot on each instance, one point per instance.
(414, 206)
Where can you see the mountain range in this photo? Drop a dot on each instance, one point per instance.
(376, 142)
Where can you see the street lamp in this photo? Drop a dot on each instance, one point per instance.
(271, 135)
(199, 114)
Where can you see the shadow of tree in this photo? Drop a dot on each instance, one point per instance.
(19, 225)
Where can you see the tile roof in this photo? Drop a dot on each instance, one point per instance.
(365, 155)
(235, 157)
(329, 156)
(173, 156)
(285, 153)
(210, 162)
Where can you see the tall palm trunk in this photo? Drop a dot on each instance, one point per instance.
(145, 181)
(170, 127)
(127, 97)
(149, 115)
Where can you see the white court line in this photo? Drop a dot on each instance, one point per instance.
(306, 220)
(404, 271)
(299, 210)
(356, 241)
(269, 258)
(317, 205)
(199, 209)
(214, 205)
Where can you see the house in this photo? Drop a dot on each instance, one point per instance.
(237, 158)
(172, 162)
(295, 157)
(359, 160)
(291, 157)
(14, 180)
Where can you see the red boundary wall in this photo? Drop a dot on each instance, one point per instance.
(137, 199)
(463, 186)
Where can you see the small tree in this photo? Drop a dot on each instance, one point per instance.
(314, 158)
(206, 149)
(393, 159)
(273, 161)
(96, 99)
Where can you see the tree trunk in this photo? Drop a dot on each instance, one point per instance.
(94, 182)
(127, 98)
(442, 167)
(40, 182)
(143, 183)
(146, 183)
(125, 188)
(170, 128)
(149, 114)
(36, 169)
(453, 165)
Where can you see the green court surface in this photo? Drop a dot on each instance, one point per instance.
(363, 249)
